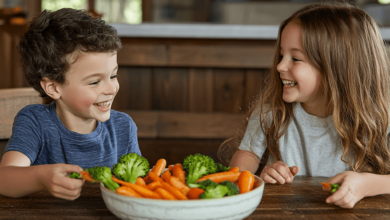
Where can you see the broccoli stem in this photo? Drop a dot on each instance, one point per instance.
(109, 183)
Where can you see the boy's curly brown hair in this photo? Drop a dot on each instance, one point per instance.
(52, 37)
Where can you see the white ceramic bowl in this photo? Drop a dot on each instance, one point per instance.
(232, 207)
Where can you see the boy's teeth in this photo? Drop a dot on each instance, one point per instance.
(103, 103)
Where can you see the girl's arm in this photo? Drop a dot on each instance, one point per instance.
(245, 160)
(355, 186)
(19, 179)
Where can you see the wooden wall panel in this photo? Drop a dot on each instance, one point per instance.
(254, 79)
(170, 89)
(200, 90)
(135, 90)
(143, 55)
(226, 56)
(229, 90)
(5, 60)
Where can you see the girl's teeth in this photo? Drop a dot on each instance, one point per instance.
(289, 83)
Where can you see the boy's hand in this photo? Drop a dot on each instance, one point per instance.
(278, 172)
(353, 187)
(55, 179)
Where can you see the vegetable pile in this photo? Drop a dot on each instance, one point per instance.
(198, 178)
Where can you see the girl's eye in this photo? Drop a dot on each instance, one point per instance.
(296, 59)
(94, 83)
(114, 76)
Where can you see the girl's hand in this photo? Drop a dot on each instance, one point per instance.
(353, 187)
(278, 172)
(55, 179)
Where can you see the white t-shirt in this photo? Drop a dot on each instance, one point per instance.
(310, 142)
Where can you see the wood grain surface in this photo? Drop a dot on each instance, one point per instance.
(302, 199)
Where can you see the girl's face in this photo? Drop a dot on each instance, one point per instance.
(301, 81)
(90, 87)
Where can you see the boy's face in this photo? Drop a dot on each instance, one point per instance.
(90, 87)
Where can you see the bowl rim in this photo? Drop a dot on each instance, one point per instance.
(257, 190)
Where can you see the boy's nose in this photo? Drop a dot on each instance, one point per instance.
(112, 88)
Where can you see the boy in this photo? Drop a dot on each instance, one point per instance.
(70, 57)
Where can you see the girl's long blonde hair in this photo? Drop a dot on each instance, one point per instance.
(344, 44)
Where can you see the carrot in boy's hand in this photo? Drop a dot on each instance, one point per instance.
(127, 191)
(165, 194)
(86, 176)
(222, 176)
(178, 171)
(330, 187)
(194, 193)
(246, 181)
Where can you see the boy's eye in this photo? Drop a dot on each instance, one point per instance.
(94, 83)
(114, 76)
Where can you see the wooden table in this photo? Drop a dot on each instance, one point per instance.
(303, 199)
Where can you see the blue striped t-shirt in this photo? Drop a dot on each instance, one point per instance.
(39, 134)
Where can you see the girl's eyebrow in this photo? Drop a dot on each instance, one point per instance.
(98, 74)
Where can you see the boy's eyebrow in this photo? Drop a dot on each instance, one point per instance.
(98, 74)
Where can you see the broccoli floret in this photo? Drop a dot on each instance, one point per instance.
(104, 175)
(75, 175)
(198, 165)
(203, 184)
(213, 192)
(233, 188)
(131, 166)
(221, 168)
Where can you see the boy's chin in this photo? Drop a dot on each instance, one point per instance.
(103, 119)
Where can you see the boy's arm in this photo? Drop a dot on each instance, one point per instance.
(19, 179)
(245, 160)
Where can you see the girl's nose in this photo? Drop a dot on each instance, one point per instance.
(282, 66)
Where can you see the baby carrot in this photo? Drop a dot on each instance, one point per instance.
(166, 176)
(145, 192)
(178, 171)
(86, 176)
(165, 194)
(127, 191)
(174, 191)
(158, 168)
(140, 181)
(154, 185)
(246, 181)
(222, 176)
(234, 169)
(154, 177)
(194, 193)
(175, 182)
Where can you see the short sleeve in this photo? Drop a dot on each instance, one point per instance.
(254, 138)
(134, 147)
(25, 136)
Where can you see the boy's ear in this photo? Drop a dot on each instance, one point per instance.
(50, 87)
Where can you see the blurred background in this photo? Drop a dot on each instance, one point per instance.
(188, 69)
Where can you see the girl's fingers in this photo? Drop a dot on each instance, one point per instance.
(346, 201)
(276, 175)
(339, 194)
(284, 172)
(268, 179)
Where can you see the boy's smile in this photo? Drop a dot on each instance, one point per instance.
(90, 88)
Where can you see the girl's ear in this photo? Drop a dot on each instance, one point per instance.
(51, 88)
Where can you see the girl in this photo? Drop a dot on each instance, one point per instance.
(324, 109)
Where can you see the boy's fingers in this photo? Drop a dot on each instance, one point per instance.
(68, 168)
